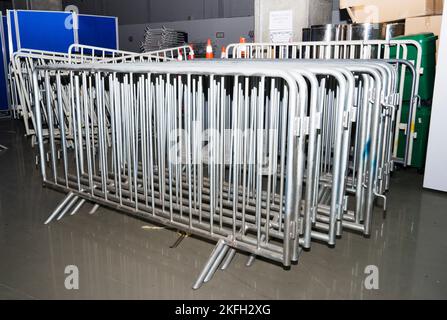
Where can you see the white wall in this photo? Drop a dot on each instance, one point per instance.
(304, 14)
(436, 164)
(145, 11)
(198, 30)
(37, 5)
(5, 5)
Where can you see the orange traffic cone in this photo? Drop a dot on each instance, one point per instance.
(223, 53)
(209, 50)
(243, 49)
(191, 53)
(180, 55)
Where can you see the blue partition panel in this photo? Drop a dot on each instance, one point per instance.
(4, 60)
(98, 31)
(5, 32)
(3, 94)
(45, 30)
(52, 31)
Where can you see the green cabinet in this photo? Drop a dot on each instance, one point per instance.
(421, 129)
(428, 63)
(425, 93)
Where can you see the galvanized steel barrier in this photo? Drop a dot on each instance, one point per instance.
(25, 61)
(259, 156)
(103, 55)
(182, 53)
(371, 49)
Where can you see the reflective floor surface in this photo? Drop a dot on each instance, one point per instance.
(120, 257)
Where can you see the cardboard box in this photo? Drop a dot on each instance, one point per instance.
(424, 24)
(375, 11)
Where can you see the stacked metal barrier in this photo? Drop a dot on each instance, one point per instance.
(181, 53)
(25, 61)
(21, 68)
(342, 50)
(260, 156)
(162, 38)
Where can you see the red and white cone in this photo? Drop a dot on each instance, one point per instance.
(209, 50)
(243, 48)
(223, 53)
(180, 55)
(191, 53)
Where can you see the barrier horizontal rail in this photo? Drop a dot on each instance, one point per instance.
(181, 53)
(104, 55)
(91, 54)
(255, 155)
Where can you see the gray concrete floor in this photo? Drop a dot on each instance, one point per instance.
(119, 257)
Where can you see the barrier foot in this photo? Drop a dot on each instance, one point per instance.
(252, 256)
(383, 198)
(216, 263)
(212, 263)
(228, 259)
(78, 206)
(250, 260)
(67, 207)
(179, 240)
(60, 207)
(94, 209)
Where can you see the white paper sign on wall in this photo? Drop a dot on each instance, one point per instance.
(281, 26)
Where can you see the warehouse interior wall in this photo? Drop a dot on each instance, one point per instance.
(198, 31)
(151, 11)
(339, 16)
(201, 19)
(50, 5)
(304, 14)
(5, 5)
(233, 18)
